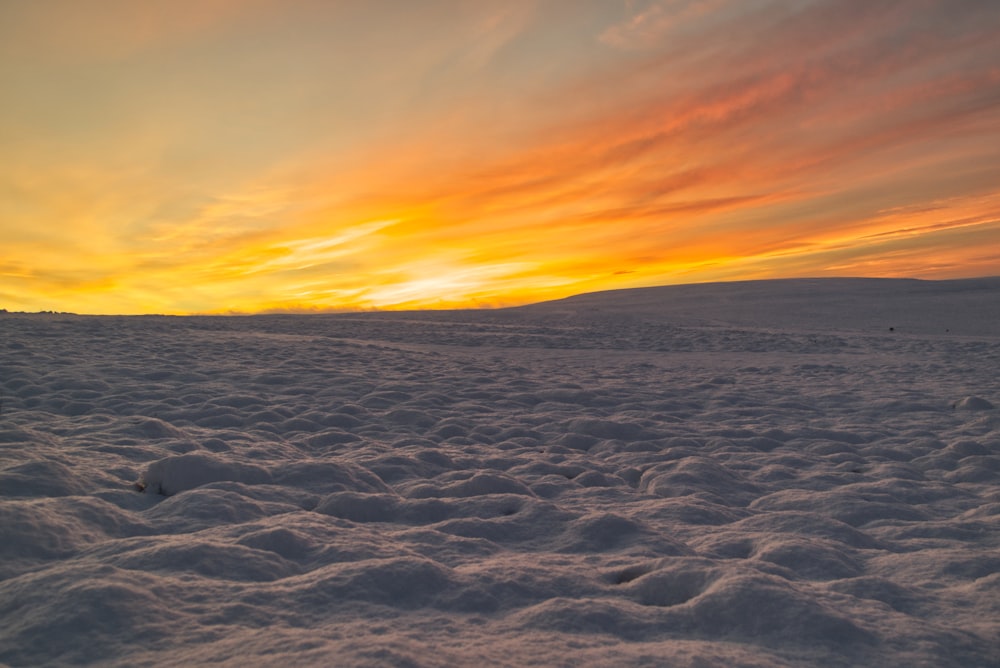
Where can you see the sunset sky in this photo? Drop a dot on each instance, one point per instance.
(213, 156)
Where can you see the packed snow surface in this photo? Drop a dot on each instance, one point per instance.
(782, 473)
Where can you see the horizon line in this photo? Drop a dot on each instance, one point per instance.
(334, 310)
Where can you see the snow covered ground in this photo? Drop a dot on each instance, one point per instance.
(749, 474)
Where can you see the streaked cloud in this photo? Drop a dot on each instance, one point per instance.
(219, 156)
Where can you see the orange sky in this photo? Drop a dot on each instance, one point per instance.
(193, 156)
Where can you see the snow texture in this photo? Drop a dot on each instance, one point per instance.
(782, 473)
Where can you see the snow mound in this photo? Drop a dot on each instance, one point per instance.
(973, 404)
(171, 475)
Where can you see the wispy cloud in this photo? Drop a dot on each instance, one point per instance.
(243, 155)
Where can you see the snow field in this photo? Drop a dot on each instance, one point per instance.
(589, 482)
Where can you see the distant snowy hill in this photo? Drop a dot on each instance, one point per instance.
(964, 307)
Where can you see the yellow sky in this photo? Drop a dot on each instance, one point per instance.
(194, 156)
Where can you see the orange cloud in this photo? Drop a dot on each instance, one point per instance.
(267, 156)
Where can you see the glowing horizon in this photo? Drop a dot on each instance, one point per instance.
(261, 155)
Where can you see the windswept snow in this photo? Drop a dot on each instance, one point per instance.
(780, 473)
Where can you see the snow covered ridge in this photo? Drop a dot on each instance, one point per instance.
(757, 474)
(966, 306)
